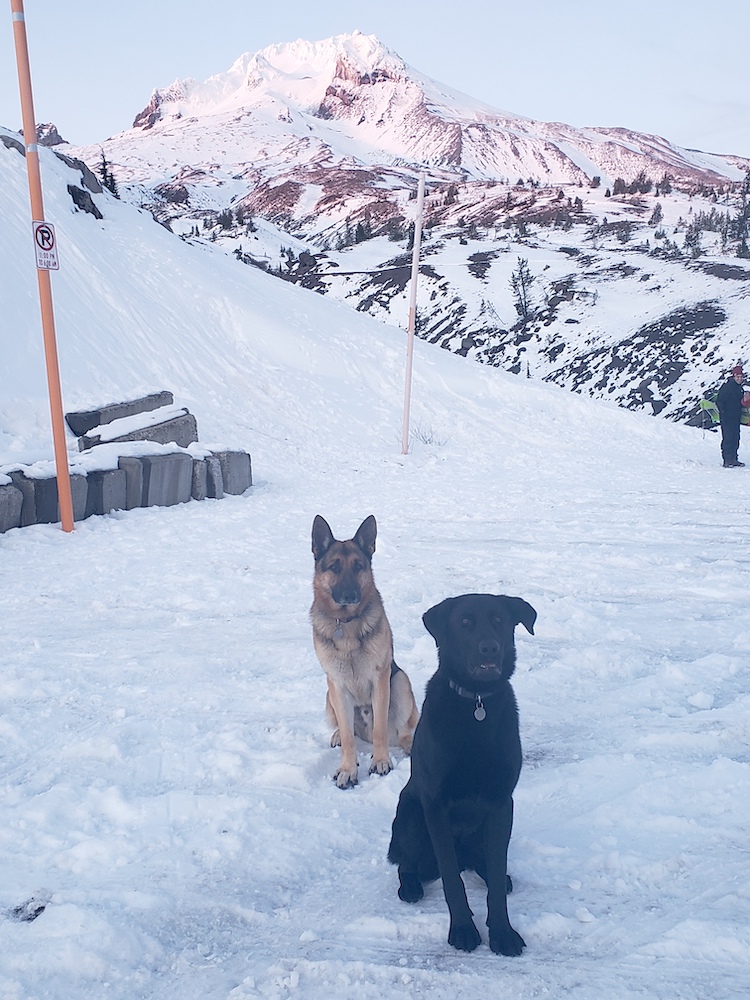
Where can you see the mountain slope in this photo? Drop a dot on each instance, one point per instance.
(302, 152)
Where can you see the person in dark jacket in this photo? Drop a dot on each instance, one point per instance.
(730, 400)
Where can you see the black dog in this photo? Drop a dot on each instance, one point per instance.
(456, 811)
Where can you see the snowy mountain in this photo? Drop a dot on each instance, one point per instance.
(303, 159)
(169, 825)
(289, 124)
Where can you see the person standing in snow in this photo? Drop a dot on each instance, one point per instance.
(730, 400)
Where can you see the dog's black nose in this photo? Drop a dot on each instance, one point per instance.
(489, 647)
(346, 597)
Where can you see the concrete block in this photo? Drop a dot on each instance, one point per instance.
(182, 431)
(198, 491)
(85, 420)
(26, 486)
(107, 491)
(236, 471)
(167, 479)
(133, 469)
(47, 505)
(11, 502)
(214, 478)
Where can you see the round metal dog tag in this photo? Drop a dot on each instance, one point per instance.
(479, 712)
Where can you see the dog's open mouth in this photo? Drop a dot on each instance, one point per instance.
(489, 669)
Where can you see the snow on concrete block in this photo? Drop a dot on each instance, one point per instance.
(107, 491)
(47, 504)
(236, 471)
(167, 479)
(215, 478)
(85, 420)
(26, 486)
(181, 430)
(11, 502)
(133, 469)
(199, 488)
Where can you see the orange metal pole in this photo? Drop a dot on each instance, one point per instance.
(43, 276)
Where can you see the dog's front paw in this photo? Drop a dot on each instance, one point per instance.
(381, 766)
(345, 779)
(506, 941)
(465, 937)
(410, 888)
(335, 738)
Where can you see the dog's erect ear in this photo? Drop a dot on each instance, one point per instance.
(366, 534)
(322, 537)
(435, 618)
(522, 612)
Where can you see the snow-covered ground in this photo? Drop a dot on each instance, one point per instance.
(165, 770)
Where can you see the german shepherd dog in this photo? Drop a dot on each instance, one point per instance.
(368, 695)
(456, 810)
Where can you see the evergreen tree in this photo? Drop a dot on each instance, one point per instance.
(107, 177)
(625, 231)
(657, 215)
(739, 224)
(693, 239)
(521, 281)
(363, 230)
(641, 184)
(346, 239)
(225, 218)
(394, 230)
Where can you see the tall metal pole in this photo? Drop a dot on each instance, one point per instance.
(43, 275)
(412, 314)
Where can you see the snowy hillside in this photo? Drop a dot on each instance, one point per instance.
(168, 815)
(618, 306)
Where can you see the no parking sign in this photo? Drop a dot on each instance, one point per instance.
(45, 244)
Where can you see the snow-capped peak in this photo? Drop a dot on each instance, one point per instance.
(297, 73)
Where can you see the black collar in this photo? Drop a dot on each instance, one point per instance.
(480, 712)
(345, 621)
(338, 632)
(465, 693)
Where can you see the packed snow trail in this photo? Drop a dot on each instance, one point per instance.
(165, 768)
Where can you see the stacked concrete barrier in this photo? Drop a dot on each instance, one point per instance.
(11, 502)
(84, 421)
(175, 470)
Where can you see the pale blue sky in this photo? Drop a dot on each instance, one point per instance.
(678, 68)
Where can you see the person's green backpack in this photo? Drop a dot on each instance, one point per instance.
(709, 412)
